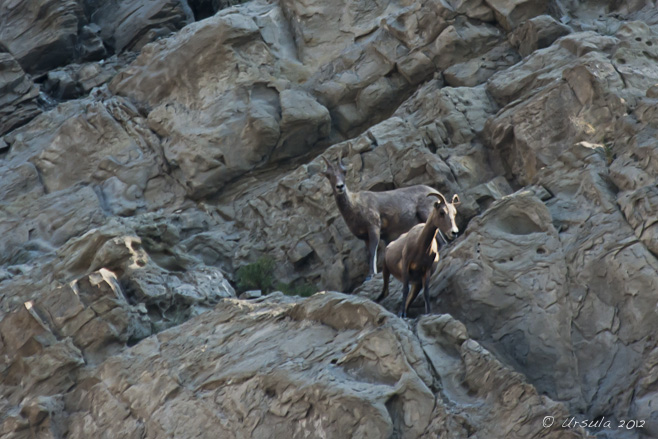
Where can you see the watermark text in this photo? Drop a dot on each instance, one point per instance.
(598, 423)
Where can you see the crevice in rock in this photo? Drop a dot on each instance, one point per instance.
(395, 409)
(202, 9)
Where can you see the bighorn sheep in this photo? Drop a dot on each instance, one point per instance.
(414, 255)
(371, 215)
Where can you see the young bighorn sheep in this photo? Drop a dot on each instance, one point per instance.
(374, 215)
(414, 255)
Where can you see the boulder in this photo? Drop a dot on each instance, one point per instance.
(586, 286)
(511, 13)
(327, 366)
(251, 294)
(544, 68)
(40, 34)
(514, 235)
(537, 33)
(585, 98)
(635, 55)
(241, 127)
(67, 147)
(127, 25)
(18, 95)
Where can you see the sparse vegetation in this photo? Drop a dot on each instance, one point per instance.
(608, 153)
(303, 290)
(259, 275)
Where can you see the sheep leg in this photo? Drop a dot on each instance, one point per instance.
(386, 274)
(405, 295)
(426, 292)
(415, 289)
(373, 245)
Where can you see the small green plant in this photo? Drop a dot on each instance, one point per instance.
(258, 275)
(303, 290)
(608, 153)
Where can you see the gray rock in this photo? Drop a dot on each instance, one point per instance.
(537, 33)
(585, 98)
(279, 126)
(18, 95)
(251, 294)
(477, 71)
(126, 211)
(639, 207)
(511, 13)
(303, 122)
(474, 285)
(60, 85)
(126, 25)
(536, 72)
(330, 365)
(53, 218)
(90, 44)
(635, 55)
(40, 34)
(66, 147)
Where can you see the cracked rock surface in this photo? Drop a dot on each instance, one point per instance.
(151, 152)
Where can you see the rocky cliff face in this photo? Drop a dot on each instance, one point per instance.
(150, 149)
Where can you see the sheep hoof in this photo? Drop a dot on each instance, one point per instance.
(368, 278)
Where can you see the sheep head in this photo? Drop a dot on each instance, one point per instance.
(336, 175)
(443, 215)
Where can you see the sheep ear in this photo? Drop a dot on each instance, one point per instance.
(455, 200)
(341, 165)
(327, 170)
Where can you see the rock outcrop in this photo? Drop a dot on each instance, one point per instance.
(328, 366)
(18, 103)
(154, 153)
(40, 34)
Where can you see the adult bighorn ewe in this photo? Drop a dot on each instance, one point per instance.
(413, 256)
(374, 215)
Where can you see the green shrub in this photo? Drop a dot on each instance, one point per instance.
(259, 275)
(256, 276)
(303, 290)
